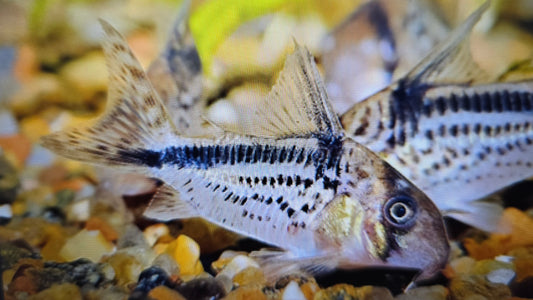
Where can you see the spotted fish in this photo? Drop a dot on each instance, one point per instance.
(294, 181)
(176, 75)
(376, 44)
(451, 130)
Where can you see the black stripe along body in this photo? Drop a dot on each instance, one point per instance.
(448, 137)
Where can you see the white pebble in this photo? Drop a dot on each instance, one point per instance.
(8, 124)
(226, 282)
(237, 264)
(222, 112)
(79, 211)
(5, 211)
(230, 254)
(40, 157)
(154, 232)
(503, 276)
(504, 258)
(293, 292)
(90, 244)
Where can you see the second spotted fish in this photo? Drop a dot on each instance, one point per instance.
(296, 182)
(450, 128)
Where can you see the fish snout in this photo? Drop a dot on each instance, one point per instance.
(417, 235)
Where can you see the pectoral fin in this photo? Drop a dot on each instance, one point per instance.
(167, 205)
(276, 263)
(482, 214)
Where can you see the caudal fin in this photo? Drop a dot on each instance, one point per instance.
(135, 123)
(176, 75)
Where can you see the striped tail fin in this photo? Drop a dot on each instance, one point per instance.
(135, 123)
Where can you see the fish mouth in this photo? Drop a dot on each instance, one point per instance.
(432, 270)
(429, 258)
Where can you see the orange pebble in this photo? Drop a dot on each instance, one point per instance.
(26, 65)
(95, 223)
(34, 127)
(23, 279)
(448, 272)
(55, 239)
(74, 184)
(523, 262)
(143, 45)
(247, 292)
(309, 289)
(519, 226)
(164, 293)
(186, 253)
(18, 145)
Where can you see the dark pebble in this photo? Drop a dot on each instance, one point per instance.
(522, 289)
(65, 197)
(12, 252)
(149, 279)
(285, 280)
(395, 279)
(81, 272)
(270, 292)
(54, 214)
(4, 221)
(132, 237)
(202, 288)
(476, 286)
(9, 182)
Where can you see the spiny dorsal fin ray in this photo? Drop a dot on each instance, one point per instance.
(176, 75)
(134, 119)
(297, 105)
(451, 60)
(166, 205)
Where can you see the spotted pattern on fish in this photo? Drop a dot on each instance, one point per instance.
(176, 75)
(408, 109)
(293, 181)
(448, 136)
(203, 157)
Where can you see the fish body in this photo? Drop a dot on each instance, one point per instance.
(381, 41)
(450, 130)
(291, 179)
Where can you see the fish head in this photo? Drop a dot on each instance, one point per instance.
(383, 220)
(402, 226)
(413, 230)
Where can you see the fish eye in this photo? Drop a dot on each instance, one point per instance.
(400, 212)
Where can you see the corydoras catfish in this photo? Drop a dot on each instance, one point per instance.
(176, 76)
(451, 130)
(380, 41)
(296, 183)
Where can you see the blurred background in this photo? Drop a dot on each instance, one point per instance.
(50, 56)
(53, 75)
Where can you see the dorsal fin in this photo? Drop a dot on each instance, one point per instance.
(451, 60)
(297, 105)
